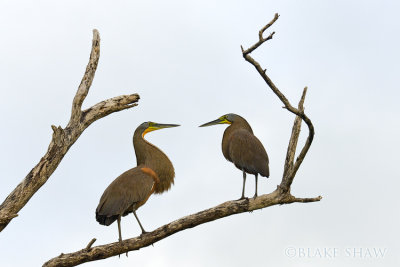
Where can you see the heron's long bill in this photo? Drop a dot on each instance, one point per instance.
(162, 126)
(157, 126)
(215, 122)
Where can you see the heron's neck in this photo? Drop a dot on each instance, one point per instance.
(151, 156)
(238, 124)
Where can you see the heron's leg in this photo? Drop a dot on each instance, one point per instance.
(255, 195)
(143, 231)
(244, 184)
(119, 232)
(119, 228)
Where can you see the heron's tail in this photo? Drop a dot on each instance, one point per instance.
(106, 220)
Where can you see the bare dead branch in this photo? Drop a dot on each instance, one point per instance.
(304, 150)
(63, 139)
(261, 39)
(223, 210)
(307, 200)
(5, 219)
(107, 107)
(286, 183)
(291, 150)
(302, 99)
(90, 243)
(289, 175)
(88, 77)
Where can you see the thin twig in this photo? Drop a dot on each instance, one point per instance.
(307, 200)
(261, 39)
(90, 244)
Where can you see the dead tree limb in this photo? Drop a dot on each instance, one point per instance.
(223, 210)
(291, 166)
(64, 138)
(280, 196)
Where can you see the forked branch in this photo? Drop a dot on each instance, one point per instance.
(261, 39)
(291, 167)
(64, 138)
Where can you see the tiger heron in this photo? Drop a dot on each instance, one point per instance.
(154, 174)
(241, 147)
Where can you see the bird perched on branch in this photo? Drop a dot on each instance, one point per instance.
(154, 174)
(241, 147)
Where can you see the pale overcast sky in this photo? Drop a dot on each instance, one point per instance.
(184, 59)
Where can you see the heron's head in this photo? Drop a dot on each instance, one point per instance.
(224, 119)
(150, 126)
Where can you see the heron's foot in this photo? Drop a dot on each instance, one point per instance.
(255, 196)
(243, 197)
(127, 254)
(120, 241)
(143, 232)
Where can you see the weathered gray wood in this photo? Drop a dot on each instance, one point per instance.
(287, 177)
(64, 138)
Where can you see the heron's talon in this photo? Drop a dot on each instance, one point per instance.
(143, 233)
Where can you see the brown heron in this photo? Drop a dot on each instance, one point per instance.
(241, 147)
(154, 174)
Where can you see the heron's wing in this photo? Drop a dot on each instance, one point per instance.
(131, 188)
(248, 153)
